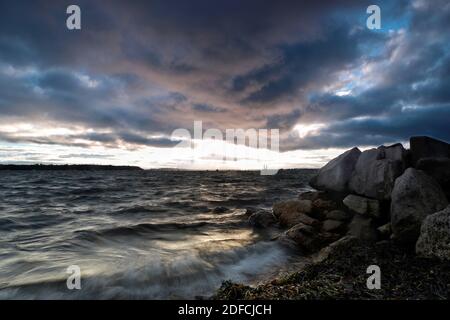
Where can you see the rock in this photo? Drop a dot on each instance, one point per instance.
(362, 228)
(332, 225)
(362, 205)
(336, 174)
(281, 207)
(306, 238)
(385, 231)
(300, 235)
(291, 219)
(220, 210)
(292, 212)
(339, 215)
(415, 196)
(339, 246)
(262, 219)
(439, 169)
(394, 152)
(376, 170)
(434, 240)
(426, 147)
(321, 207)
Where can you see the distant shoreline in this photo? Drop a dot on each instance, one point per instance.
(51, 167)
(58, 167)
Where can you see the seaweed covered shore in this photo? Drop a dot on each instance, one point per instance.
(342, 275)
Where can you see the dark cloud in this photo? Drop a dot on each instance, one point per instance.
(284, 121)
(201, 107)
(411, 98)
(140, 69)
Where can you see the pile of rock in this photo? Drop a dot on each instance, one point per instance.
(381, 193)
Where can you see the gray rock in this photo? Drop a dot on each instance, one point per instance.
(376, 170)
(434, 240)
(439, 169)
(333, 226)
(362, 205)
(362, 228)
(262, 219)
(336, 174)
(415, 196)
(394, 152)
(426, 147)
(339, 215)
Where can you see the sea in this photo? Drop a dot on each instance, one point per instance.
(130, 234)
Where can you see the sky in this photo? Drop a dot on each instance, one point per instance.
(115, 91)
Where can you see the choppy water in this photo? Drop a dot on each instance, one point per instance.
(135, 235)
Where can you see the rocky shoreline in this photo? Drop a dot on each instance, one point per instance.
(387, 206)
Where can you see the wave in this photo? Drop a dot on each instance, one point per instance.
(146, 228)
(189, 275)
(150, 235)
(139, 209)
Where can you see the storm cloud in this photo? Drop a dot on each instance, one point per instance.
(140, 69)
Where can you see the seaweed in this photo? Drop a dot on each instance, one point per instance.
(343, 276)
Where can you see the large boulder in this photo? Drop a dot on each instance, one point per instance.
(426, 147)
(262, 219)
(362, 227)
(292, 212)
(376, 170)
(434, 240)
(415, 196)
(439, 169)
(394, 152)
(336, 174)
(363, 205)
